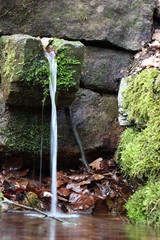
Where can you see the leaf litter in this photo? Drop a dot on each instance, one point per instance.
(77, 190)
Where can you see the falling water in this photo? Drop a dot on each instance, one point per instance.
(53, 152)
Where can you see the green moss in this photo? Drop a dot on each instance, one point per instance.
(24, 62)
(144, 205)
(139, 149)
(24, 135)
(66, 65)
(142, 96)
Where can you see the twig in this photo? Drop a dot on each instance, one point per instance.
(75, 132)
(5, 200)
(121, 217)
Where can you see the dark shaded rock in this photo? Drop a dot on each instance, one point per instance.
(123, 23)
(104, 69)
(96, 119)
(94, 115)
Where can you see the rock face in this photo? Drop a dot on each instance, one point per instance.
(96, 119)
(122, 23)
(24, 71)
(70, 60)
(21, 128)
(104, 68)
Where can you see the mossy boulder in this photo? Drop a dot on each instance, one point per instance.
(70, 61)
(124, 23)
(23, 70)
(94, 116)
(139, 149)
(25, 74)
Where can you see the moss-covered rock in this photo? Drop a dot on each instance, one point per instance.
(70, 60)
(24, 71)
(139, 149)
(144, 205)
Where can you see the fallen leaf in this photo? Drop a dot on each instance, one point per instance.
(12, 165)
(63, 191)
(59, 183)
(96, 164)
(98, 177)
(156, 35)
(79, 177)
(81, 201)
(115, 178)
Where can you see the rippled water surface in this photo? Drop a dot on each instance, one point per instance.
(17, 226)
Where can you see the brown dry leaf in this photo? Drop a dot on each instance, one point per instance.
(115, 178)
(151, 62)
(81, 201)
(79, 177)
(12, 165)
(62, 199)
(60, 183)
(61, 175)
(15, 174)
(63, 191)
(76, 188)
(1, 179)
(156, 35)
(98, 194)
(112, 193)
(98, 177)
(73, 184)
(96, 164)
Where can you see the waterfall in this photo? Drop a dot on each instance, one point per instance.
(53, 141)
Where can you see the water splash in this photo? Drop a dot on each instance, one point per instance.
(53, 141)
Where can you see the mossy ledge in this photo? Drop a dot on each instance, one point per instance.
(139, 149)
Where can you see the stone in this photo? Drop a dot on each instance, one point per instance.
(104, 68)
(120, 23)
(70, 60)
(94, 115)
(24, 70)
(122, 118)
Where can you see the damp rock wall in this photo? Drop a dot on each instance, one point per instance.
(111, 32)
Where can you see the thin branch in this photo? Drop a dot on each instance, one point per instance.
(5, 200)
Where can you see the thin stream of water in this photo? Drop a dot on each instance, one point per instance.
(53, 141)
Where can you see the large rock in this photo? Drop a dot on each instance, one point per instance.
(24, 71)
(94, 116)
(104, 68)
(96, 119)
(124, 23)
(70, 60)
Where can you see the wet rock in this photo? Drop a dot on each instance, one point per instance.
(24, 73)
(94, 115)
(70, 60)
(122, 23)
(96, 119)
(23, 69)
(104, 68)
